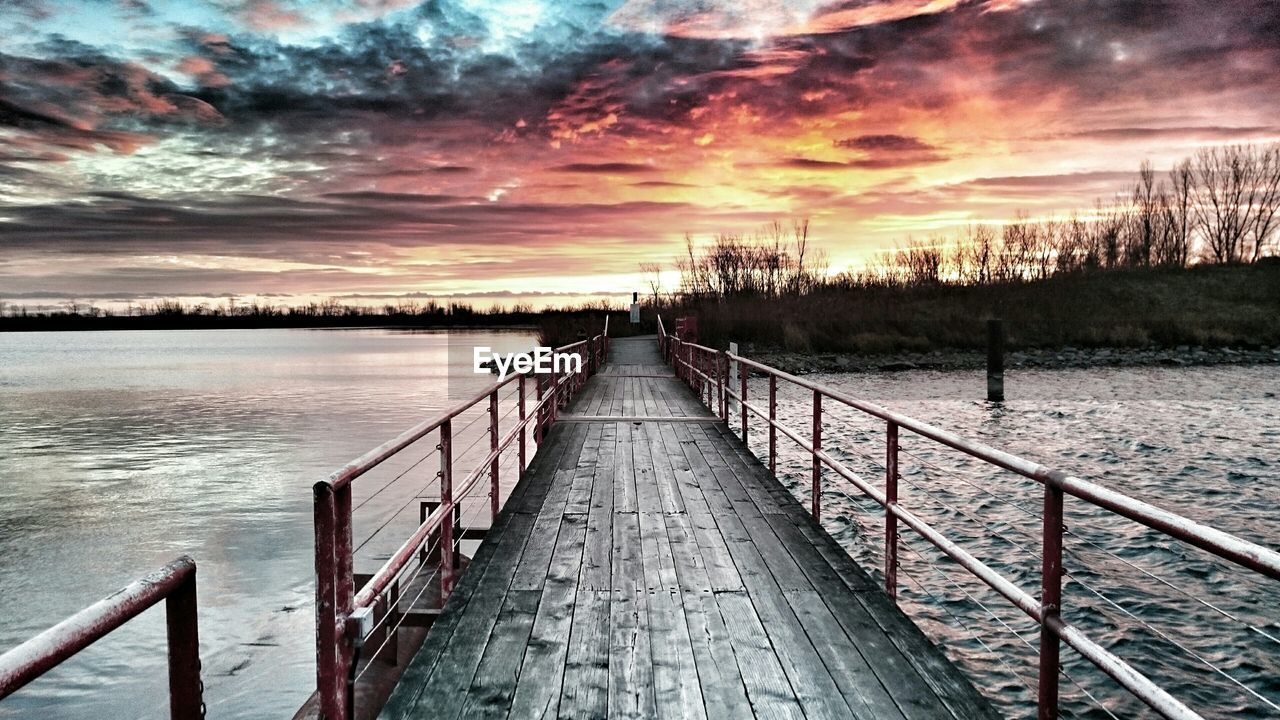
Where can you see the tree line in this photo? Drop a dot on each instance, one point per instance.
(1219, 206)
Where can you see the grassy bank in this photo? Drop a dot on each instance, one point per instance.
(1211, 306)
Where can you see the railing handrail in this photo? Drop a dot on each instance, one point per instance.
(386, 450)
(342, 609)
(700, 360)
(1222, 544)
(174, 583)
(381, 579)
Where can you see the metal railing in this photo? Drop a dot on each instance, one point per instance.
(174, 583)
(706, 371)
(344, 613)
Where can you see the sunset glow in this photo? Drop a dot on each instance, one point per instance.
(509, 150)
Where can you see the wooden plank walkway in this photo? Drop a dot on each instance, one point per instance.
(653, 568)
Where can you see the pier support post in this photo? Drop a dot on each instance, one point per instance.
(742, 400)
(995, 360)
(891, 520)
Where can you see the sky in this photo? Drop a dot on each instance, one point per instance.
(542, 150)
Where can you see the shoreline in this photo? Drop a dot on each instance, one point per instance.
(1067, 358)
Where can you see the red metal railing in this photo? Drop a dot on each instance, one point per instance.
(174, 583)
(706, 371)
(343, 611)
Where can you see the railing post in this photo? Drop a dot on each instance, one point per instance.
(817, 446)
(704, 380)
(743, 371)
(521, 443)
(773, 429)
(1050, 600)
(688, 365)
(720, 370)
(556, 391)
(540, 426)
(493, 450)
(328, 682)
(185, 688)
(891, 520)
(345, 592)
(707, 386)
(446, 499)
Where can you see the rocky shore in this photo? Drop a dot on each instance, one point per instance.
(1062, 358)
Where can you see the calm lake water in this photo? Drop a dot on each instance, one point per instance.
(122, 450)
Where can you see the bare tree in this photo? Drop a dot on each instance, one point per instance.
(1179, 214)
(1146, 220)
(1223, 179)
(1265, 196)
(653, 278)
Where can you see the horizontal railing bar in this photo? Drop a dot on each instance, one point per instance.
(381, 579)
(1130, 679)
(804, 444)
(1012, 592)
(1135, 682)
(380, 454)
(1222, 544)
(50, 648)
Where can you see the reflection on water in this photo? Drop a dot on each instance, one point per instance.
(122, 450)
(1203, 442)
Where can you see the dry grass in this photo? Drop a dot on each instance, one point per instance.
(1210, 306)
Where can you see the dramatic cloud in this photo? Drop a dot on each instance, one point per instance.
(382, 147)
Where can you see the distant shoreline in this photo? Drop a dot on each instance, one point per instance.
(388, 326)
(1066, 358)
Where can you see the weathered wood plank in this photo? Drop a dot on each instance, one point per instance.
(470, 632)
(862, 690)
(531, 573)
(542, 672)
(585, 692)
(494, 682)
(630, 660)
(579, 497)
(768, 688)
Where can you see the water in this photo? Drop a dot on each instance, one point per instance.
(122, 450)
(1203, 442)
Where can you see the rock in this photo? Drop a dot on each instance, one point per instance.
(898, 366)
(1177, 362)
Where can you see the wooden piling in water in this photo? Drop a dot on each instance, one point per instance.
(995, 360)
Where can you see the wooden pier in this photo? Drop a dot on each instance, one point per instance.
(648, 565)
